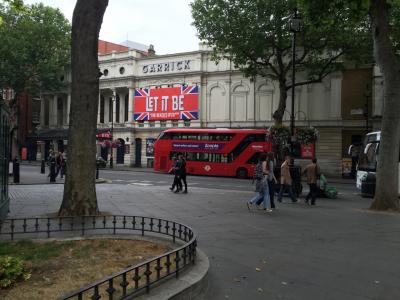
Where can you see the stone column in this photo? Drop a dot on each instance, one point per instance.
(98, 109)
(68, 108)
(122, 108)
(114, 105)
(130, 105)
(53, 111)
(335, 109)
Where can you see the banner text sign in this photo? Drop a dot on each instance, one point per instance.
(176, 103)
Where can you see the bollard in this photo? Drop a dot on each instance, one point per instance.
(16, 171)
(53, 171)
(42, 167)
(97, 171)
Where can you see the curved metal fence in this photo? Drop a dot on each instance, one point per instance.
(131, 281)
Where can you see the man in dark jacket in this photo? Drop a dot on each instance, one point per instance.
(182, 172)
(177, 180)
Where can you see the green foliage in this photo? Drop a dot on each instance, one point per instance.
(306, 135)
(256, 36)
(12, 270)
(279, 134)
(35, 47)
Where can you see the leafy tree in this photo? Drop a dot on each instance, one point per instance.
(35, 47)
(80, 189)
(255, 35)
(385, 23)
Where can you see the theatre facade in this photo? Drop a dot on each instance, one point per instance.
(142, 95)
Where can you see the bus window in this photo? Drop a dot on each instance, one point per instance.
(254, 158)
(165, 136)
(176, 136)
(203, 137)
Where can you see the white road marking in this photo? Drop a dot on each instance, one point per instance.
(140, 183)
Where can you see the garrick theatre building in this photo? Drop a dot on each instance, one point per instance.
(142, 94)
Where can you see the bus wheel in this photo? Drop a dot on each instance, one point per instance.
(241, 173)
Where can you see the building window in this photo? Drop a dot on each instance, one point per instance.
(105, 72)
(121, 70)
(187, 123)
(126, 111)
(174, 123)
(152, 123)
(140, 123)
(101, 109)
(163, 123)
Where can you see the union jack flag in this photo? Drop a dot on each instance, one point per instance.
(189, 115)
(141, 116)
(142, 92)
(186, 89)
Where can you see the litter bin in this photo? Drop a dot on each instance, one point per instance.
(368, 186)
(150, 162)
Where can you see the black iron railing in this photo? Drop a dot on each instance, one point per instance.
(131, 281)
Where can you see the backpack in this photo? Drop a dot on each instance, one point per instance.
(258, 172)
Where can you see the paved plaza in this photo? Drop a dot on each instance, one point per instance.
(336, 250)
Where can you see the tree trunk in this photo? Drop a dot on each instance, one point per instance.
(386, 195)
(80, 185)
(278, 114)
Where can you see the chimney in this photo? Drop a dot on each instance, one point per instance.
(151, 51)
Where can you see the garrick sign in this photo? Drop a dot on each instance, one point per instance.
(167, 67)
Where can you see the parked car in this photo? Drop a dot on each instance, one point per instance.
(101, 162)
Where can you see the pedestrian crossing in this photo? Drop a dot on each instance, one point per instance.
(150, 183)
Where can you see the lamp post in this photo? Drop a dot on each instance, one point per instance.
(294, 24)
(112, 129)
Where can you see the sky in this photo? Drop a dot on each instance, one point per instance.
(164, 23)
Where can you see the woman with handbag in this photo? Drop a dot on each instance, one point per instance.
(261, 181)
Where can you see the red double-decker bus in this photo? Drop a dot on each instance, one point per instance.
(214, 152)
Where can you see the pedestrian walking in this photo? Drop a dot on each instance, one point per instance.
(271, 178)
(50, 159)
(261, 181)
(59, 159)
(286, 181)
(175, 171)
(62, 164)
(312, 171)
(354, 152)
(182, 172)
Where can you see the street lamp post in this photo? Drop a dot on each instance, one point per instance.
(112, 131)
(295, 28)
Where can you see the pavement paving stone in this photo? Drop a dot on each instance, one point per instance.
(336, 250)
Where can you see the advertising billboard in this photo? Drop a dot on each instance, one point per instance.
(198, 146)
(307, 151)
(176, 103)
